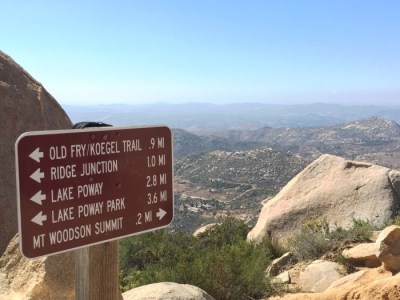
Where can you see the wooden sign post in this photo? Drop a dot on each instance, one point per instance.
(97, 270)
(97, 264)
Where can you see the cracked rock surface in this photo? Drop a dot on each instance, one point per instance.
(25, 106)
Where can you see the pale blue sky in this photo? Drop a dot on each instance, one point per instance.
(94, 52)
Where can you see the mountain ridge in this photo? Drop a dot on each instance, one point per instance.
(206, 118)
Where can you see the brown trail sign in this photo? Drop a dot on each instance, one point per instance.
(82, 187)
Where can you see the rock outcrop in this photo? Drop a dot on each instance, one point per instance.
(167, 291)
(51, 277)
(25, 106)
(367, 285)
(333, 189)
(388, 248)
(362, 255)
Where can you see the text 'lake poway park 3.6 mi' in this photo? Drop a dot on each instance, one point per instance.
(81, 187)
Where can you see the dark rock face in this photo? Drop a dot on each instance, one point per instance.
(25, 106)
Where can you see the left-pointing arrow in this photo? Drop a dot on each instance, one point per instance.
(37, 175)
(39, 219)
(36, 155)
(38, 197)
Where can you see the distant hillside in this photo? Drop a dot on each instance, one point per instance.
(220, 183)
(264, 168)
(372, 139)
(186, 143)
(231, 173)
(370, 129)
(212, 181)
(209, 118)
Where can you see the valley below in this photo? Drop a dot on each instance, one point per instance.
(212, 183)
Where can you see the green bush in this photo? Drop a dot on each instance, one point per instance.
(245, 187)
(220, 261)
(394, 221)
(316, 238)
(340, 259)
(218, 184)
(228, 232)
(360, 231)
(307, 244)
(274, 248)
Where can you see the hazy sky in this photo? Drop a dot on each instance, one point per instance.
(207, 51)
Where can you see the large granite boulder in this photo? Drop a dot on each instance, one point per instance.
(25, 106)
(334, 189)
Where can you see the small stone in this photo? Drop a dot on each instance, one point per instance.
(318, 276)
(277, 264)
(388, 248)
(283, 277)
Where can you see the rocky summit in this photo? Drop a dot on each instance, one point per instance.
(25, 106)
(218, 175)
